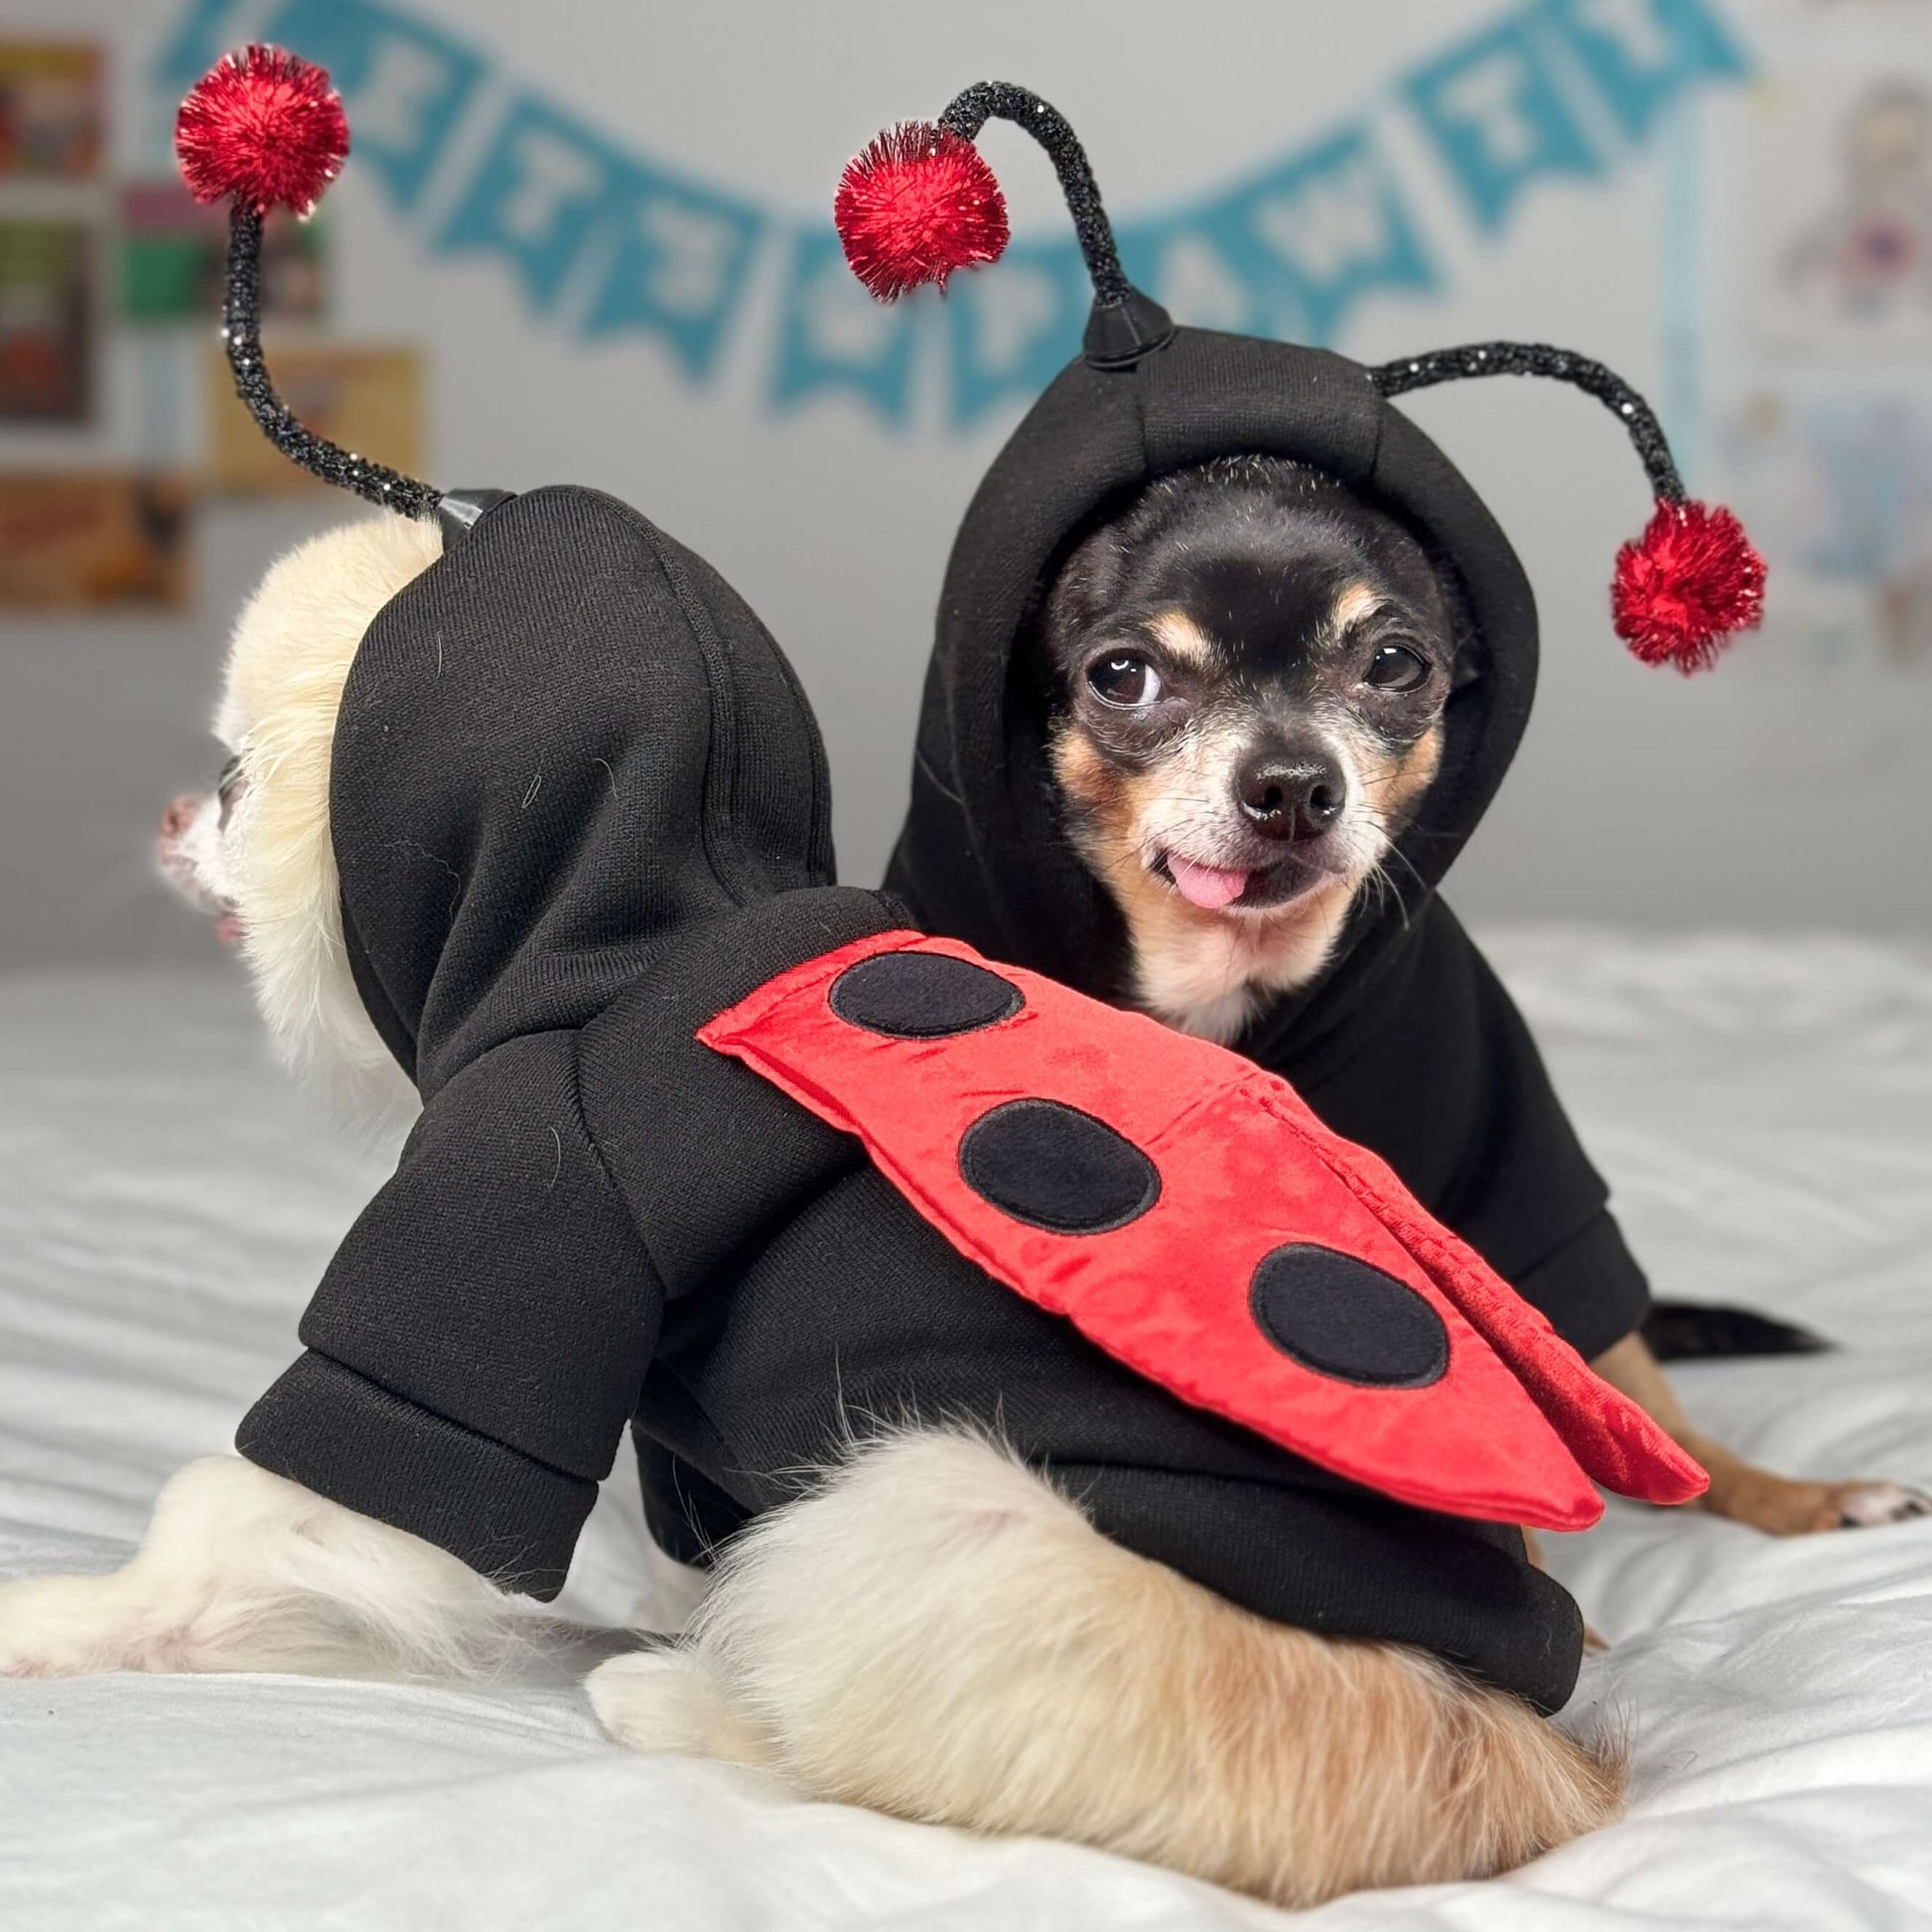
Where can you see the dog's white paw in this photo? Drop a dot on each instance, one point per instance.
(656, 1700)
(664, 1702)
(242, 1571)
(68, 1626)
(1866, 1505)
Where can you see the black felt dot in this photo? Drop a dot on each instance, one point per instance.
(923, 996)
(1054, 1166)
(1342, 1317)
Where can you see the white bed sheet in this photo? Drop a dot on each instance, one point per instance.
(1765, 1112)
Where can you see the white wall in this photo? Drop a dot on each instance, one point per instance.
(1640, 798)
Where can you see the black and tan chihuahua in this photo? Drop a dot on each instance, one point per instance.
(1249, 668)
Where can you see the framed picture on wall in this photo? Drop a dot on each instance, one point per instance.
(1840, 174)
(89, 541)
(51, 114)
(46, 322)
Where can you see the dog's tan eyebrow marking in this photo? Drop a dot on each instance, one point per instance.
(1181, 638)
(1357, 602)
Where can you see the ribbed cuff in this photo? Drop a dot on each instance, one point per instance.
(510, 1518)
(1590, 1288)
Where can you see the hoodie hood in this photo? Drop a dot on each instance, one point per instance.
(560, 748)
(983, 856)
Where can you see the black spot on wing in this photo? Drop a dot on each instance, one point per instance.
(1054, 1166)
(1344, 1319)
(923, 996)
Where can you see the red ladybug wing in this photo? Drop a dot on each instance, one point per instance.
(1185, 1211)
(1614, 1440)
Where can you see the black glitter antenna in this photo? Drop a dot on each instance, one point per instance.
(1646, 433)
(241, 334)
(264, 129)
(920, 202)
(1694, 579)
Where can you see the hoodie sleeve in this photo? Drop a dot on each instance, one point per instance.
(1592, 1288)
(1528, 1194)
(479, 1341)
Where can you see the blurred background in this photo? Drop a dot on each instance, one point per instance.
(590, 241)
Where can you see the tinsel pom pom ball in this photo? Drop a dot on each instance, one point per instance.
(265, 128)
(917, 204)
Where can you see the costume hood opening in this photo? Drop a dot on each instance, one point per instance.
(983, 854)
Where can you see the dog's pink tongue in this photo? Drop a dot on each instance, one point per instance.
(1206, 885)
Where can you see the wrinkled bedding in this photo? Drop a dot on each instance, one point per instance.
(1764, 1111)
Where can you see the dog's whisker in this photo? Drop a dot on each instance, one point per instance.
(1396, 852)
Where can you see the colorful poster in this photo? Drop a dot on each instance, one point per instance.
(172, 249)
(1841, 174)
(50, 108)
(1837, 488)
(46, 322)
(70, 542)
(366, 396)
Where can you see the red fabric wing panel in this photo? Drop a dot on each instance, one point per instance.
(1192, 1218)
(1613, 1439)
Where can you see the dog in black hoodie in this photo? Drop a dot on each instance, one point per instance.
(1230, 662)
(525, 802)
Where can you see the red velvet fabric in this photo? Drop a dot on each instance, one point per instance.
(1514, 1431)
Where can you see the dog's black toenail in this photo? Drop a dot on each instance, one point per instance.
(1342, 1317)
(923, 996)
(1054, 1166)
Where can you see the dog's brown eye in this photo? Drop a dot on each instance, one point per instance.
(1125, 678)
(1395, 667)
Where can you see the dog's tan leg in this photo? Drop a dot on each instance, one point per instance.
(1778, 1505)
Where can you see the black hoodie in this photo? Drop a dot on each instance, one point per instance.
(579, 808)
(1407, 1043)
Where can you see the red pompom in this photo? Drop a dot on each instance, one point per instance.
(1684, 586)
(917, 203)
(264, 127)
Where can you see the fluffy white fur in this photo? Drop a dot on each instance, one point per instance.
(287, 664)
(241, 1571)
(1209, 973)
(935, 1631)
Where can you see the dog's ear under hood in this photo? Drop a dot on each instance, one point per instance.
(981, 856)
(549, 663)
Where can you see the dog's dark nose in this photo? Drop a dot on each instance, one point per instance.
(1290, 797)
